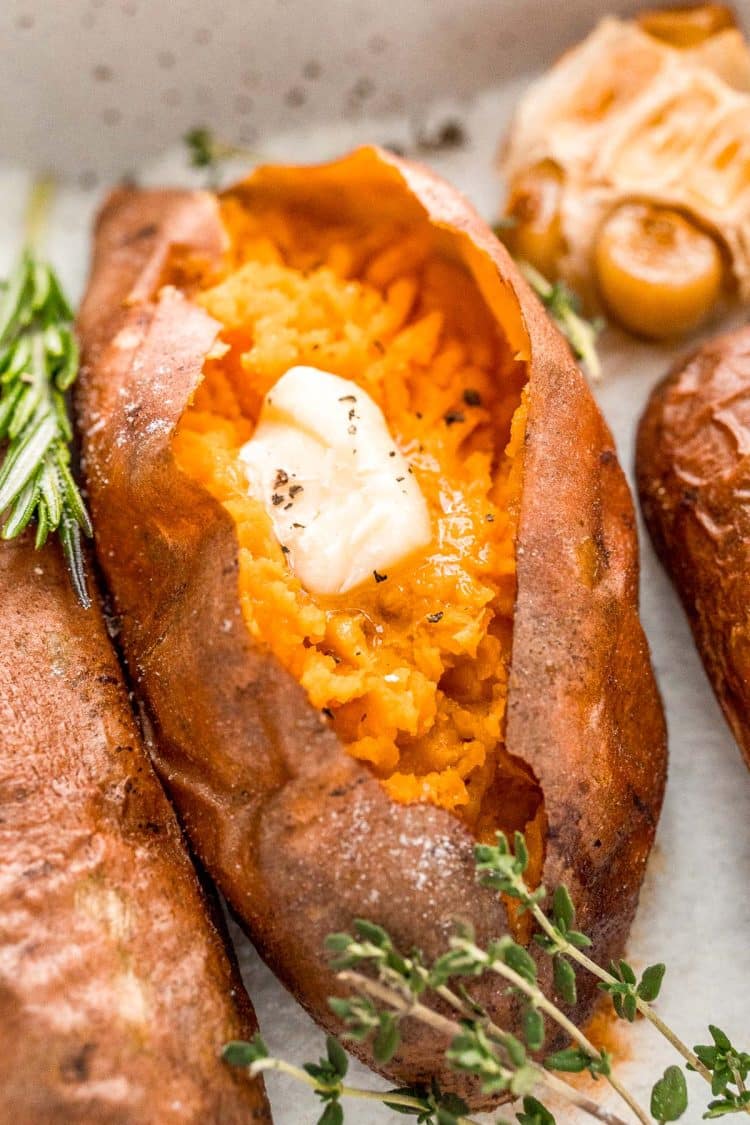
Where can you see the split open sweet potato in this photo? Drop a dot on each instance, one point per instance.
(116, 991)
(337, 756)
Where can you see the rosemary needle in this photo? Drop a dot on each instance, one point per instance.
(38, 364)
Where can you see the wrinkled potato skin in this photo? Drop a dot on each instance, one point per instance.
(300, 837)
(116, 993)
(693, 478)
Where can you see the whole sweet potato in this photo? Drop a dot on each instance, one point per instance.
(116, 993)
(694, 483)
(301, 836)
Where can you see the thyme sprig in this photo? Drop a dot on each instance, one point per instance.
(387, 986)
(38, 364)
(722, 1065)
(326, 1079)
(563, 306)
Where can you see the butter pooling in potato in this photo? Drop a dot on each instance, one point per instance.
(628, 167)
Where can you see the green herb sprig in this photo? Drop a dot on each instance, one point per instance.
(206, 150)
(387, 986)
(563, 306)
(38, 364)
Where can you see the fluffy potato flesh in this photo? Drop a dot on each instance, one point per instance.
(411, 668)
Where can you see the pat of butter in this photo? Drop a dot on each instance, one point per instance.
(340, 495)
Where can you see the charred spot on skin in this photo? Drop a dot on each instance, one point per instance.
(607, 457)
(643, 808)
(453, 417)
(688, 497)
(107, 679)
(327, 712)
(433, 618)
(472, 397)
(77, 1067)
(147, 231)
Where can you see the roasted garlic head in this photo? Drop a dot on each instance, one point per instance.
(628, 167)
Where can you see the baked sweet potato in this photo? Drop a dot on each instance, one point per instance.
(694, 482)
(116, 994)
(337, 756)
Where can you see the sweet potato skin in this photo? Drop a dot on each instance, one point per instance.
(300, 837)
(694, 481)
(116, 993)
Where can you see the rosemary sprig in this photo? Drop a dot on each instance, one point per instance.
(38, 364)
(562, 305)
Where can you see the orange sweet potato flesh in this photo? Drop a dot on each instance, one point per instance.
(116, 992)
(299, 836)
(693, 479)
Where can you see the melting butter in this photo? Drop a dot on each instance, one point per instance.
(342, 499)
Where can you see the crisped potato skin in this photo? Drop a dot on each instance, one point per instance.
(300, 837)
(116, 993)
(694, 482)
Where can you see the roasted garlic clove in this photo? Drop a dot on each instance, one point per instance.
(687, 27)
(658, 273)
(534, 209)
